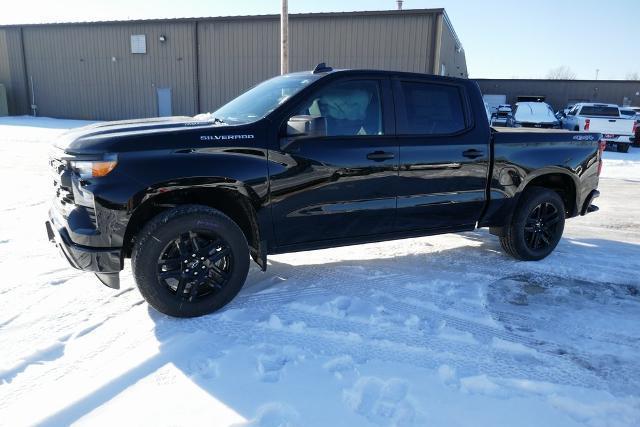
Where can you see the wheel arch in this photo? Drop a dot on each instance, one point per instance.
(231, 198)
(556, 179)
(559, 181)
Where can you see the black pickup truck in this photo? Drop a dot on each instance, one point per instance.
(305, 161)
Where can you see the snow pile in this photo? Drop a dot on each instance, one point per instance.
(444, 330)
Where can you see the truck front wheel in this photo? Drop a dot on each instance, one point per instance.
(190, 260)
(536, 226)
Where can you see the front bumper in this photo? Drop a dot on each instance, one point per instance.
(105, 262)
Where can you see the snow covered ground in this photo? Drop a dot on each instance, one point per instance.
(437, 331)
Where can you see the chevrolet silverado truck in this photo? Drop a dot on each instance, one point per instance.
(304, 161)
(617, 130)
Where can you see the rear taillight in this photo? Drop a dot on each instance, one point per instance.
(587, 123)
(635, 127)
(601, 146)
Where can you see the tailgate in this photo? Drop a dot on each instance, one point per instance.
(613, 126)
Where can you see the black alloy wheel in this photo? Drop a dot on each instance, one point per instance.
(541, 227)
(195, 265)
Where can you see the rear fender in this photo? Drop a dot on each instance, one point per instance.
(504, 202)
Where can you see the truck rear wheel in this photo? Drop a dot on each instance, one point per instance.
(536, 226)
(190, 261)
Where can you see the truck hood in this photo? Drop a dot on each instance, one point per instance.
(133, 135)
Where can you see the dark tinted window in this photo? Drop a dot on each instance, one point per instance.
(600, 110)
(432, 109)
(350, 108)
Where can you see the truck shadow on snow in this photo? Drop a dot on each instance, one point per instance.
(558, 320)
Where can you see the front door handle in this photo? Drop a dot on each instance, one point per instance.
(379, 156)
(472, 154)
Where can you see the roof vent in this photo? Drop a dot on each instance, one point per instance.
(322, 68)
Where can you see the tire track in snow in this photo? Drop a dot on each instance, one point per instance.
(338, 337)
(574, 365)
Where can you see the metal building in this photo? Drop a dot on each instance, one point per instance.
(130, 69)
(560, 93)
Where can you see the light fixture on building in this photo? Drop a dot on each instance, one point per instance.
(162, 38)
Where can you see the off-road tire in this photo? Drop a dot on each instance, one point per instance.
(514, 242)
(159, 232)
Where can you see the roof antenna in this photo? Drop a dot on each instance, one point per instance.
(322, 68)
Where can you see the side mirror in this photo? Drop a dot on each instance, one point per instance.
(306, 126)
(303, 126)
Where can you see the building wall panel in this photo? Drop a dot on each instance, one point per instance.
(235, 55)
(86, 70)
(391, 42)
(452, 54)
(89, 72)
(12, 74)
(559, 93)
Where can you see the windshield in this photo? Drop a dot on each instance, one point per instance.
(262, 99)
(536, 112)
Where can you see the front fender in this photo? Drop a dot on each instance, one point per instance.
(142, 176)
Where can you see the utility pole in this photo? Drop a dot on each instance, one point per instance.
(284, 38)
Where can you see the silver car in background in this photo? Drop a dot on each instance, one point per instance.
(535, 115)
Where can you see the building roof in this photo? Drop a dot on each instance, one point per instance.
(241, 17)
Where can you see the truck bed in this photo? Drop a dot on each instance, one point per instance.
(531, 130)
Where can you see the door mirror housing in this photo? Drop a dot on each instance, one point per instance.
(306, 126)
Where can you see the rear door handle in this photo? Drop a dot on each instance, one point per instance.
(472, 154)
(379, 156)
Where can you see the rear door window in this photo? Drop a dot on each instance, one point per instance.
(431, 109)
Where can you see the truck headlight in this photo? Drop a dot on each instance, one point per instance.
(95, 168)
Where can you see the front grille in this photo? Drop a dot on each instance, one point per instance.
(92, 216)
(538, 125)
(63, 195)
(60, 174)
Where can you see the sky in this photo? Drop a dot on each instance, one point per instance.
(501, 39)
